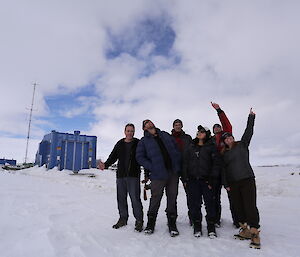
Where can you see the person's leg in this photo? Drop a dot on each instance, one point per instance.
(134, 190)
(195, 200)
(210, 207)
(248, 191)
(172, 193)
(122, 203)
(171, 210)
(157, 190)
(217, 187)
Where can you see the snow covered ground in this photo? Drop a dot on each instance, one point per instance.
(52, 213)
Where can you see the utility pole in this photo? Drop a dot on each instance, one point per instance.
(29, 124)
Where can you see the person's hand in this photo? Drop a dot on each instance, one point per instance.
(227, 188)
(251, 111)
(215, 105)
(101, 165)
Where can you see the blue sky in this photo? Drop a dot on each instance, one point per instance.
(150, 59)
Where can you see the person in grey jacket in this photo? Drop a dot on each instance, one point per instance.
(239, 178)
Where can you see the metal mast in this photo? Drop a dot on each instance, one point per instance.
(29, 124)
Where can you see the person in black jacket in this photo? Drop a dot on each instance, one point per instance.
(128, 178)
(239, 178)
(201, 163)
(183, 140)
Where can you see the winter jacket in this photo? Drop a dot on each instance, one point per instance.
(184, 138)
(149, 155)
(201, 162)
(226, 126)
(236, 160)
(118, 153)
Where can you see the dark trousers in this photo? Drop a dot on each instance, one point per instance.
(197, 189)
(131, 186)
(233, 214)
(216, 188)
(243, 195)
(157, 191)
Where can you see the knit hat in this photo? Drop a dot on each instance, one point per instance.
(177, 121)
(225, 135)
(216, 125)
(145, 122)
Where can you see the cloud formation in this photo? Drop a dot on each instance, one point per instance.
(161, 60)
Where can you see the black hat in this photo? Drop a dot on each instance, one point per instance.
(177, 121)
(145, 122)
(216, 125)
(225, 135)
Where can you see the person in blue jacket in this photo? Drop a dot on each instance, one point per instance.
(157, 153)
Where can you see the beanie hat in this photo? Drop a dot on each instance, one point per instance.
(225, 135)
(177, 121)
(216, 125)
(145, 122)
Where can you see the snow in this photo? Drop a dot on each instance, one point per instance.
(51, 213)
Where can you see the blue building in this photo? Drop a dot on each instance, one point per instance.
(7, 161)
(67, 151)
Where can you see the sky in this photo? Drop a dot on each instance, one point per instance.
(100, 65)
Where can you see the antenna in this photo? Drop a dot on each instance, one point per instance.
(29, 124)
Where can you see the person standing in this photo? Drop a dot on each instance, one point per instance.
(239, 179)
(218, 130)
(200, 166)
(158, 154)
(183, 140)
(128, 178)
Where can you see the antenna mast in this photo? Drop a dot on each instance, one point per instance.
(29, 124)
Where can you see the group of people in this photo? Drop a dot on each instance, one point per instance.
(203, 164)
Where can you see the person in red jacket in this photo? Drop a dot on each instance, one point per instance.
(218, 130)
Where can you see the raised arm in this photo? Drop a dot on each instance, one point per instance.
(246, 138)
(226, 125)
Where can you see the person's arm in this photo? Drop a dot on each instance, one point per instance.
(113, 157)
(185, 162)
(226, 125)
(246, 138)
(141, 156)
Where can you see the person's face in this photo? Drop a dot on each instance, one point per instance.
(149, 126)
(217, 129)
(201, 134)
(229, 140)
(129, 132)
(177, 127)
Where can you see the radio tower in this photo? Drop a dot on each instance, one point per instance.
(29, 124)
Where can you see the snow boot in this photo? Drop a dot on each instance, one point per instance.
(197, 228)
(138, 225)
(172, 225)
(150, 224)
(255, 239)
(120, 223)
(244, 233)
(211, 230)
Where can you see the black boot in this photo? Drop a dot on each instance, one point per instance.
(172, 225)
(120, 223)
(211, 230)
(150, 224)
(139, 225)
(197, 228)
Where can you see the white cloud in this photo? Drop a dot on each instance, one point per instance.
(239, 54)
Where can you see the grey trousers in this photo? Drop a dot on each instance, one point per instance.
(157, 191)
(131, 186)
